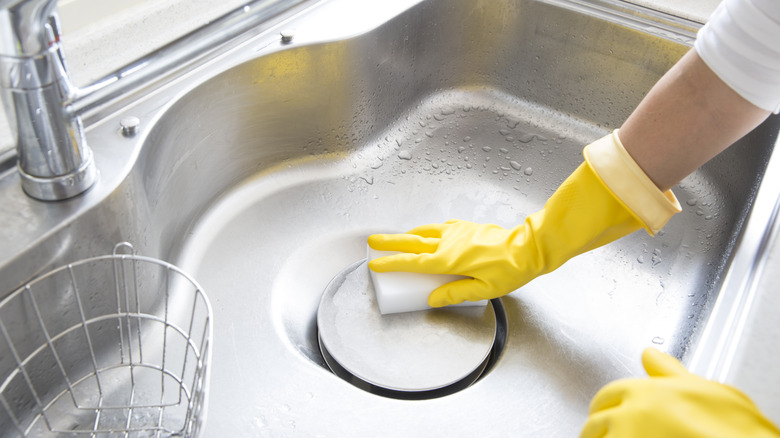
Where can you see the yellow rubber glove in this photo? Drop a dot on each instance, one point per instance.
(605, 198)
(673, 403)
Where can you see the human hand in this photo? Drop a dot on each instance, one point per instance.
(673, 403)
(494, 258)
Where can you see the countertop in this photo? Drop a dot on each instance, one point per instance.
(126, 33)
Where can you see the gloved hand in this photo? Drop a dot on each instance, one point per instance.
(673, 403)
(605, 198)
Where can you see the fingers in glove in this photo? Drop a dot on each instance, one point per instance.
(610, 396)
(429, 230)
(596, 426)
(458, 291)
(440, 298)
(658, 364)
(404, 262)
(410, 243)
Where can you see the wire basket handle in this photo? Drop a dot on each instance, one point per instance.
(127, 246)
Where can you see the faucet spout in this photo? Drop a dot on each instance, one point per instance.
(55, 162)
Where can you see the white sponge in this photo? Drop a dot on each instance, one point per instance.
(398, 292)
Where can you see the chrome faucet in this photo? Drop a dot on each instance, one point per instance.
(54, 160)
(45, 108)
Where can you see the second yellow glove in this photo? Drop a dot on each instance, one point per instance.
(605, 198)
(673, 403)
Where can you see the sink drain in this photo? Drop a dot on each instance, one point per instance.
(415, 355)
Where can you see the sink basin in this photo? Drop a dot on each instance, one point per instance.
(262, 174)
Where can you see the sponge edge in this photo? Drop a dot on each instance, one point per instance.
(398, 292)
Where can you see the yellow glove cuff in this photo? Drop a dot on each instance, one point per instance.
(629, 183)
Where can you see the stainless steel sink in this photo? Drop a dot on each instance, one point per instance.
(262, 171)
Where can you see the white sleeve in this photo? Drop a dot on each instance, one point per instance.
(741, 44)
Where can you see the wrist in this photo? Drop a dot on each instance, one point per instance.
(629, 184)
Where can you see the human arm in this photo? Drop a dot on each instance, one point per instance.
(686, 119)
(694, 112)
(713, 96)
(607, 197)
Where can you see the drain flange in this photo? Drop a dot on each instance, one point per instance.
(414, 355)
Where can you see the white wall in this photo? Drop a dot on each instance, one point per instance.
(76, 14)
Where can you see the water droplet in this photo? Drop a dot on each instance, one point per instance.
(640, 259)
(691, 202)
(526, 138)
(461, 149)
(504, 132)
(405, 155)
(515, 165)
(466, 138)
(487, 148)
(528, 171)
(658, 340)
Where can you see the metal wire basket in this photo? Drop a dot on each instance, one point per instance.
(112, 346)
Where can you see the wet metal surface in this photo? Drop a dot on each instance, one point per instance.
(262, 173)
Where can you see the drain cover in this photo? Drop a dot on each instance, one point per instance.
(420, 354)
